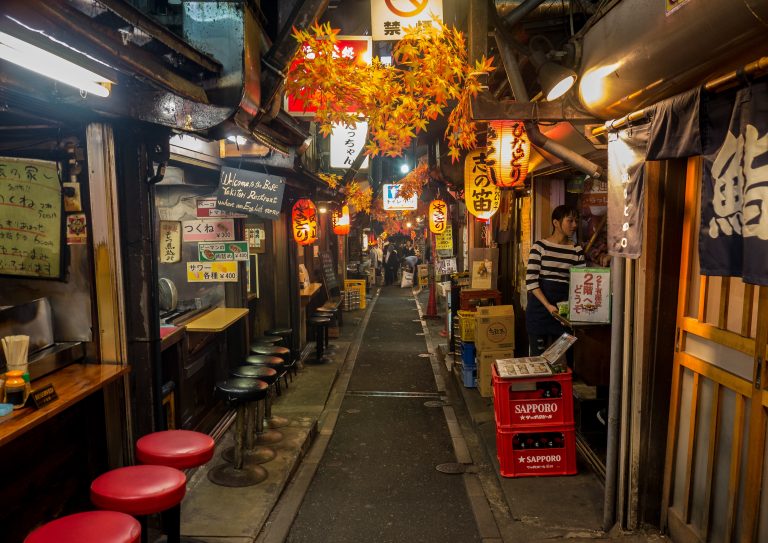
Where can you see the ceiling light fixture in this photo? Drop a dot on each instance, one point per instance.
(36, 59)
(555, 79)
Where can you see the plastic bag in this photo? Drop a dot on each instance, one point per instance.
(407, 280)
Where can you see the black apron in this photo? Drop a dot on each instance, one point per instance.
(537, 319)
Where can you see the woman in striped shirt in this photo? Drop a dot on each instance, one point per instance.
(547, 279)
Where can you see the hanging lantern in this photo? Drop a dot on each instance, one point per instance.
(509, 151)
(304, 217)
(481, 195)
(340, 220)
(438, 216)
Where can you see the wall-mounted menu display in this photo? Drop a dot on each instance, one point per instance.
(30, 218)
(249, 192)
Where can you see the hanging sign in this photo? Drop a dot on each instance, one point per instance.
(444, 241)
(209, 230)
(509, 151)
(206, 207)
(212, 251)
(357, 48)
(626, 160)
(393, 201)
(170, 242)
(481, 194)
(346, 144)
(438, 216)
(256, 236)
(589, 299)
(77, 229)
(249, 192)
(389, 18)
(31, 221)
(212, 272)
(304, 222)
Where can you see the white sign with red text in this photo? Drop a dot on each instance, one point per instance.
(389, 18)
(590, 295)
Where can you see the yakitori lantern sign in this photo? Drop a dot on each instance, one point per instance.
(340, 220)
(438, 216)
(304, 217)
(481, 194)
(509, 151)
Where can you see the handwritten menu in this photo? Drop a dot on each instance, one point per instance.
(250, 192)
(329, 275)
(170, 242)
(30, 218)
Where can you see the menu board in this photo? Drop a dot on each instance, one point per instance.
(329, 275)
(249, 192)
(30, 218)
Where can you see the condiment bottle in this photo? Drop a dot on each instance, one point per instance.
(15, 389)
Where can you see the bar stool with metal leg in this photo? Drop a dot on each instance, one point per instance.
(255, 453)
(265, 340)
(243, 394)
(320, 324)
(89, 527)
(275, 350)
(271, 435)
(286, 335)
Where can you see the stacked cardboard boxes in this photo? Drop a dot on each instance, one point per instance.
(494, 339)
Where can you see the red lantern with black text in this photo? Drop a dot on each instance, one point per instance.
(340, 220)
(438, 216)
(508, 152)
(304, 222)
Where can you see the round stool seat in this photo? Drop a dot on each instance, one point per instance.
(265, 340)
(264, 373)
(180, 449)
(274, 362)
(139, 490)
(279, 331)
(322, 309)
(237, 389)
(89, 527)
(270, 350)
(319, 320)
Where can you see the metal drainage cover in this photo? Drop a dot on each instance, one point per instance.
(435, 403)
(452, 468)
(424, 355)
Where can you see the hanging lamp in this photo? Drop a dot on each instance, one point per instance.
(481, 195)
(508, 152)
(304, 222)
(438, 216)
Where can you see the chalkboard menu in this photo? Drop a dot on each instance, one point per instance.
(249, 192)
(30, 218)
(329, 275)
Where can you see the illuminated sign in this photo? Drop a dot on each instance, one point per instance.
(393, 201)
(346, 143)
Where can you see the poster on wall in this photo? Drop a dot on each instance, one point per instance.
(389, 18)
(30, 218)
(212, 272)
(444, 242)
(77, 229)
(170, 242)
(209, 251)
(482, 274)
(208, 230)
(589, 298)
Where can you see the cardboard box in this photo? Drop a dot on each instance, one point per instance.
(495, 328)
(485, 361)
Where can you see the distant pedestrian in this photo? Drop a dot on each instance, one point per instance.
(391, 262)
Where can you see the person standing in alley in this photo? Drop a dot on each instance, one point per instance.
(409, 256)
(547, 277)
(391, 261)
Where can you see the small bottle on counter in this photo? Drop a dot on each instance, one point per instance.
(15, 389)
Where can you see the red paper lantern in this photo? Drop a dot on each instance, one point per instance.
(438, 216)
(304, 217)
(509, 151)
(340, 220)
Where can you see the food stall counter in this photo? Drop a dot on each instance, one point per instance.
(216, 320)
(310, 290)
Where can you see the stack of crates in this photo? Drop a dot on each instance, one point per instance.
(359, 286)
(351, 299)
(534, 425)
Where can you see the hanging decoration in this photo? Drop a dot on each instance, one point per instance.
(508, 152)
(438, 216)
(304, 217)
(340, 220)
(481, 195)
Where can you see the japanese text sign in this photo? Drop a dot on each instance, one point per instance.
(590, 295)
(444, 241)
(389, 18)
(170, 242)
(481, 194)
(228, 251)
(438, 216)
(346, 143)
(30, 218)
(209, 230)
(206, 207)
(212, 272)
(249, 192)
(393, 201)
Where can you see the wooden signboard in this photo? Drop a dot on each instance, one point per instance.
(249, 192)
(30, 218)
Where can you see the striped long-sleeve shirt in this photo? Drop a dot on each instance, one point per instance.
(551, 261)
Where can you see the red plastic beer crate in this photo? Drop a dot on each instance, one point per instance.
(524, 402)
(534, 453)
(470, 299)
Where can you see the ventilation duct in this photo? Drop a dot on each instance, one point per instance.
(549, 9)
(639, 53)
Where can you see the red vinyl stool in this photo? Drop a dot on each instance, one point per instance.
(141, 491)
(89, 527)
(180, 449)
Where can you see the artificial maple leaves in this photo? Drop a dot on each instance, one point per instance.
(358, 197)
(413, 182)
(431, 69)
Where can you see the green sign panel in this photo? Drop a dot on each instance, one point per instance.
(218, 251)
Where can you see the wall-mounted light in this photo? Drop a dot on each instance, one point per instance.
(38, 60)
(555, 79)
